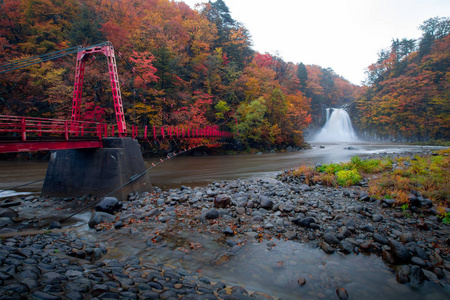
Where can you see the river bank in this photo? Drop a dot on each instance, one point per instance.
(182, 243)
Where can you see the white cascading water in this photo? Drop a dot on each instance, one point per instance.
(338, 128)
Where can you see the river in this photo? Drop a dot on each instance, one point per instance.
(202, 170)
(256, 267)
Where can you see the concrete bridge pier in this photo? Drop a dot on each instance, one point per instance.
(79, 172)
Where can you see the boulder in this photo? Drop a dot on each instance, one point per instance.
(266, 203)
(330, 239)
(364, 197)
(99, 217)
(222, 201)
(414, 201)
(402, 274)
(212, 214)
(326, 247)
(304, 222)
(417, 277)
(109, 205)
(401, 253)
(380, 238)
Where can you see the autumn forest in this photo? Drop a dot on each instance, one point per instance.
(180, 66)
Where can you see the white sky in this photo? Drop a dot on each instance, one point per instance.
(344, 35)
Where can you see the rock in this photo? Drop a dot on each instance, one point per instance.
(212, 214)
(150, 295)
(8, 212)
(305, 188)
(304, 222)
(228, 231)
(257, 219)
(377, 218)
(314, 226)
(326, 247)
(380, 238)
(402, 274)
(344, 231)
(418, 261)
(350, 223)
(414, 201)
(290, 234)
(99, 217)
(266, 203)
(417, 277)
(54, 225)
(119, 224)
(152, 213)
(19, 288)
(44, 296)
(346, 247)
(5, 221)
(268, 226)
(407, 237)
(301, 281)
(401, 253)
(388, 202)
(330, 239)
(222, 201)
(439, 273)
(430, 276)
(108, 205)
(427, 203)
(342, 294)
(388, 257)
(240, 210)
(364, 197)
(367, 227)
(366, 246)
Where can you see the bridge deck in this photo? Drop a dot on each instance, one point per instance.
(24, 134)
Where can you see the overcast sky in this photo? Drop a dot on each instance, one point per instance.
(344, 35)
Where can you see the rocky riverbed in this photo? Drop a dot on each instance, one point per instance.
(131, 250)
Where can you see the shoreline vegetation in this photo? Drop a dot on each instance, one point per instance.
(403, 179)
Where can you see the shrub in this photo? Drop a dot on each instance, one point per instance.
(348, 177)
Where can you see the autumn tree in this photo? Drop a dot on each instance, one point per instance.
(407, 98)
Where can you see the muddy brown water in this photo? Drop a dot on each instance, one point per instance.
(202, 170)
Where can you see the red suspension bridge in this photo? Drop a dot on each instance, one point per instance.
(23, 134)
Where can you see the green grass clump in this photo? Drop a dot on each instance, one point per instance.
(348, 177)
(331, 168)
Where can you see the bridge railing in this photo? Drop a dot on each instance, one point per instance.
(182, 132)
(29, 127)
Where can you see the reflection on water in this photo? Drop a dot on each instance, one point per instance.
(277, 270)
(201, 170)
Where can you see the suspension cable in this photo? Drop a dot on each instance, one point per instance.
(25, 62)
(13, 188)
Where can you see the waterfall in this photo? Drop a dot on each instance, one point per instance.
(338, 128)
